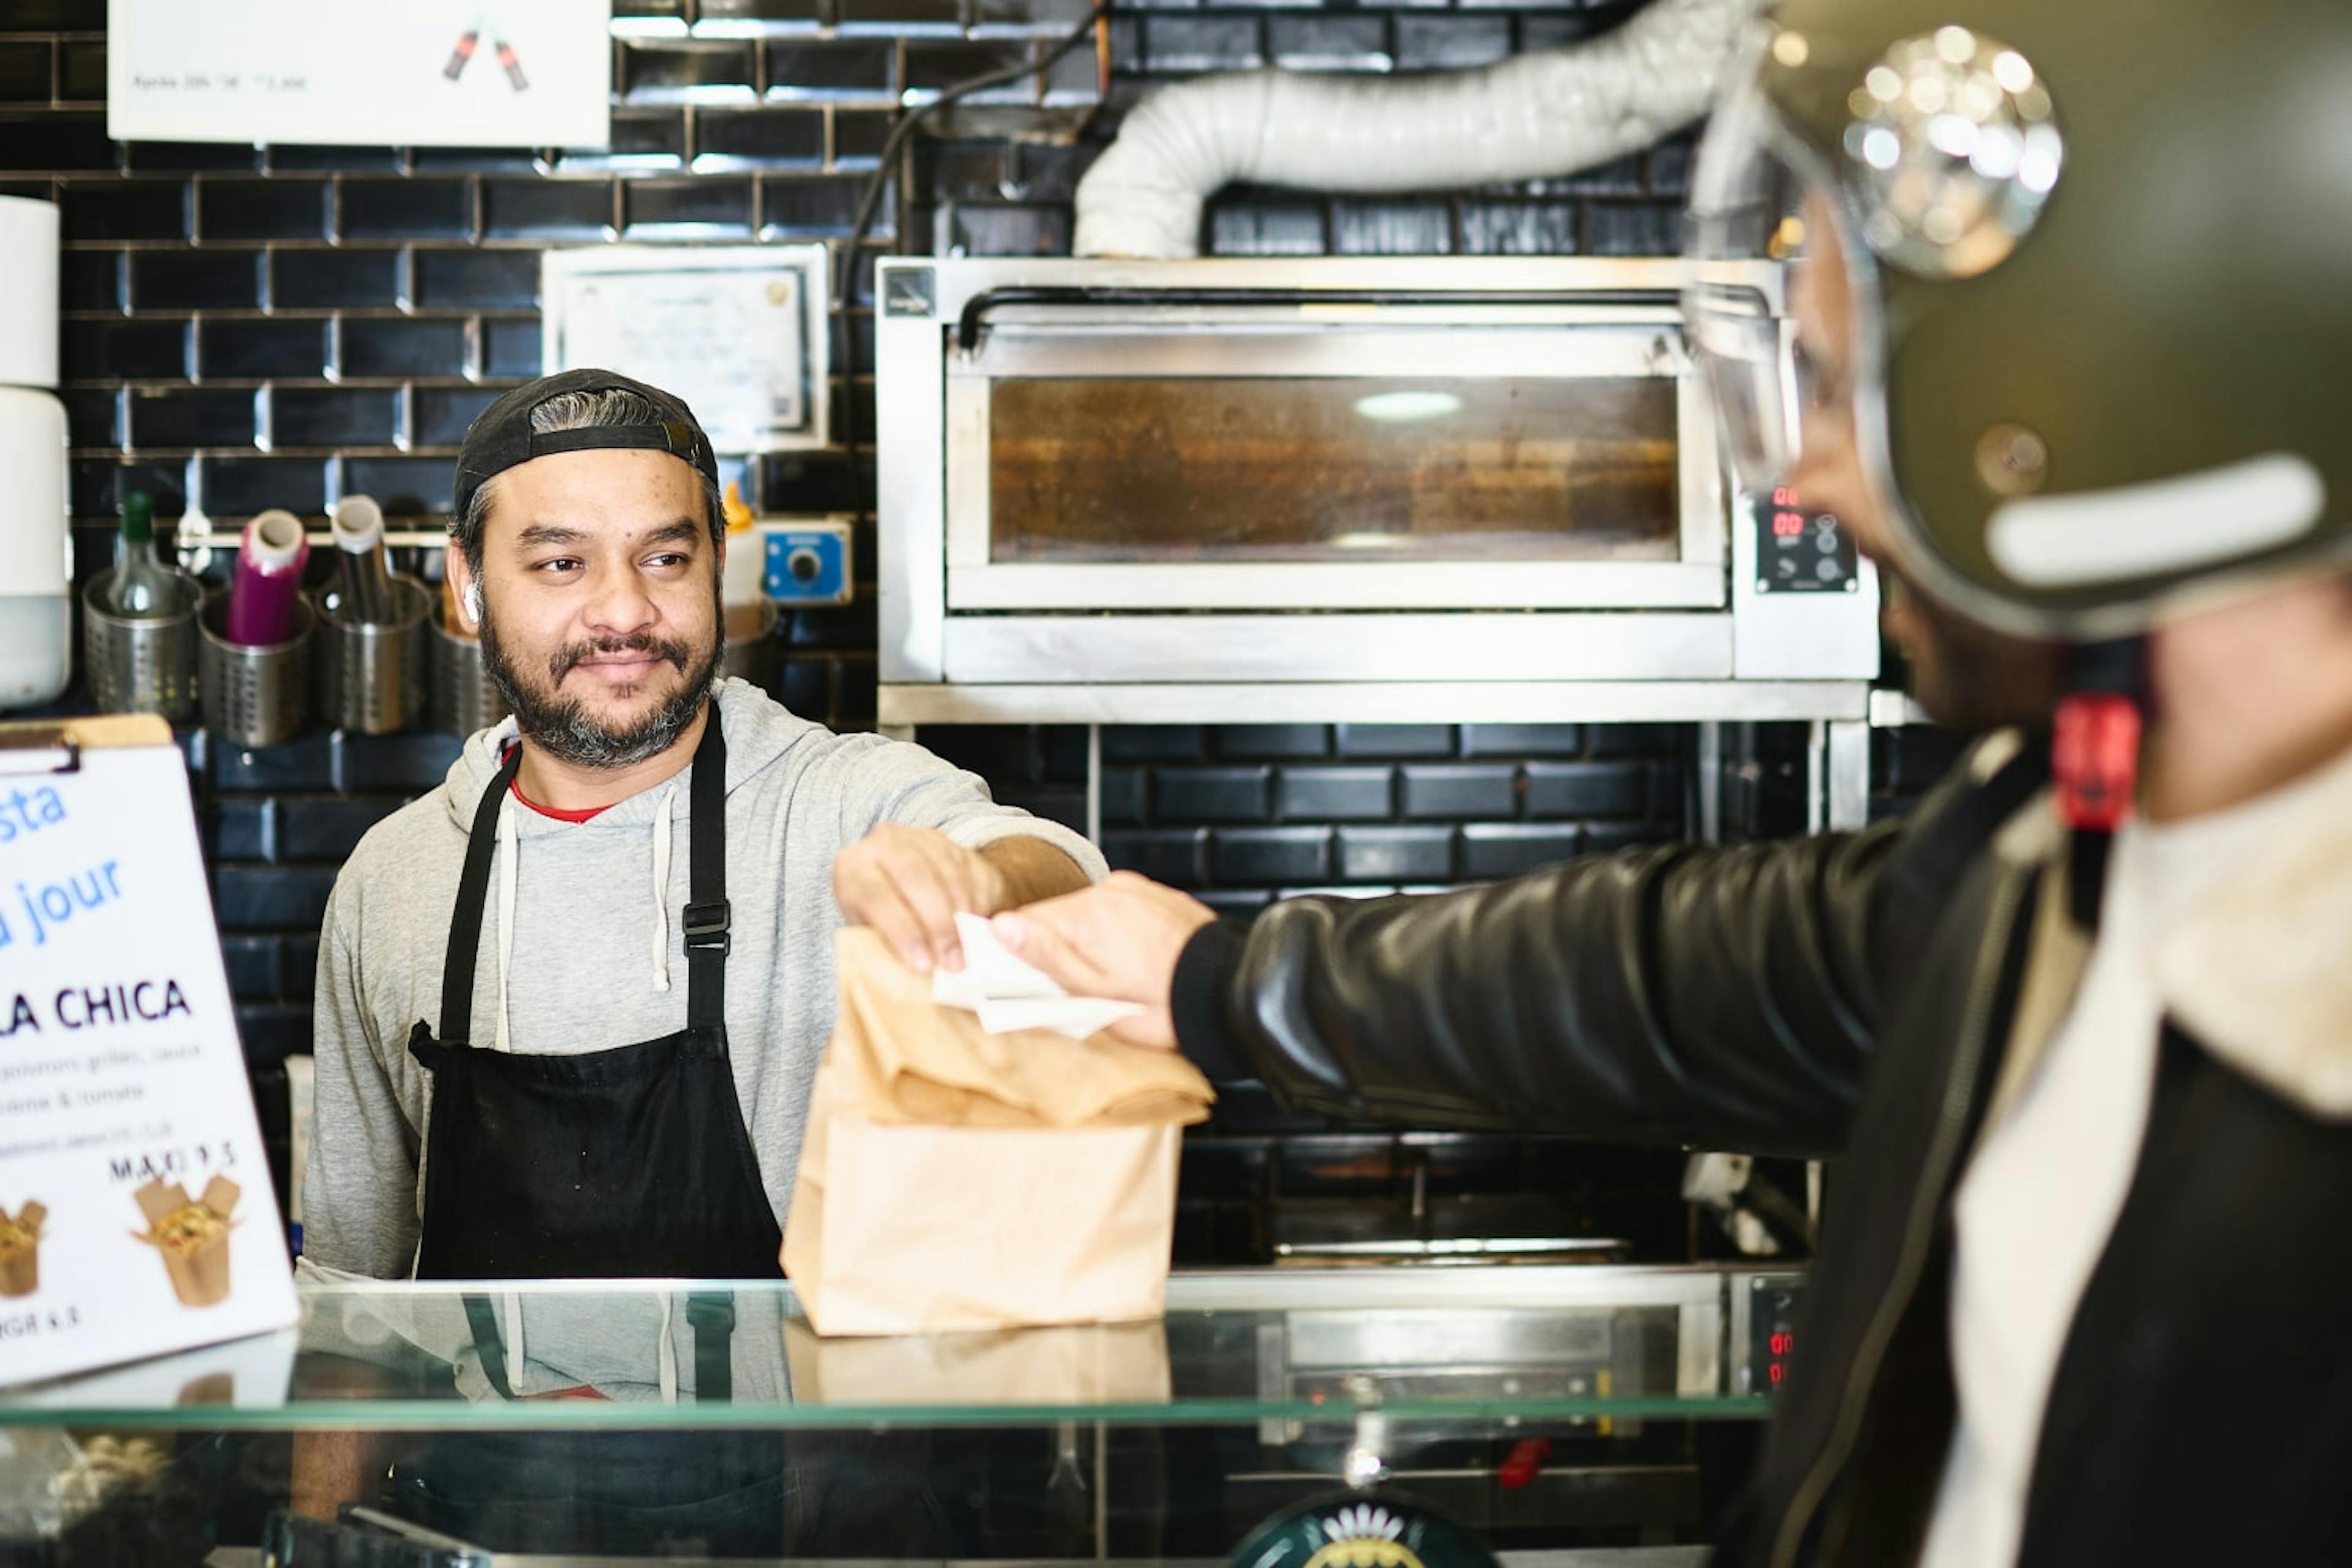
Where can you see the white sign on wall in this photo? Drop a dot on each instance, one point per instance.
(737, 331)
(136, 1215)
(441, 73)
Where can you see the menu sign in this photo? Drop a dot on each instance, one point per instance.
(418, 73)
(136, 1215)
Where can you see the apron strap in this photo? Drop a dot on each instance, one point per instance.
(466, 920)
(489, 1347)
(712, 1315)
(706, 913)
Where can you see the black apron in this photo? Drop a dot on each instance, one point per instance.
(605, 1493)
(628, 1162)
(632, 1161)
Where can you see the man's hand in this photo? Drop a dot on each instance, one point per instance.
(909, 882)
(1119, 938)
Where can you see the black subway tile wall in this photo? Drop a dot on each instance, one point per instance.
(263, 209)
(334, 417)
(230, 348)
(406, 208)
(320, 279)
(126, 209)
(119, 350)
(439, 414)
(94, 416)
(404, 346)
(1178, 803)
(701, 208)
(444, 279)
(283, 326)
(1334, 794)
(162, 417)
(25, 71)
(243, 486)
(813, 68)
(182, 279)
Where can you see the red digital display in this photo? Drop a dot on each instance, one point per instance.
(1777, 1370)
(1788, 514)
(1799, 548)
(1782, 1341)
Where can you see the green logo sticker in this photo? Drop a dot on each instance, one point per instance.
(1361, 1529)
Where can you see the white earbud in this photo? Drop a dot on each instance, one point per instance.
(474, 602)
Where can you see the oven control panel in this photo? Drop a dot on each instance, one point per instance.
(1765, 1332)
(1798, 548)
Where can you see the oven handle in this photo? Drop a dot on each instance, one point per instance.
(977, 308)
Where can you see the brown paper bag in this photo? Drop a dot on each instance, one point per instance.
(1090, 1365)
(951, 1180)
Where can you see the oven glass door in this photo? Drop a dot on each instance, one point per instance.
(1349, 466)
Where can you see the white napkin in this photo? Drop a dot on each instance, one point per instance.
(1009, 994)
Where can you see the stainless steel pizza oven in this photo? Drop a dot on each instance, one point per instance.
(1332, 488)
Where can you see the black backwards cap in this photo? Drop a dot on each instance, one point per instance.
(500, 436)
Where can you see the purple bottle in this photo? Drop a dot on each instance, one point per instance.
(268, 582)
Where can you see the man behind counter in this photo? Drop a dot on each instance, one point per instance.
(569, 1005)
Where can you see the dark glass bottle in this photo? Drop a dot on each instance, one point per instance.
(142, 588)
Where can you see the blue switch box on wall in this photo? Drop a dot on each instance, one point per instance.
(807, 563)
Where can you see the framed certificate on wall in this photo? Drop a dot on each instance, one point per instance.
(737, 331)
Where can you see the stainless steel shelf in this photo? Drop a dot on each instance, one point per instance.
(1378, 702)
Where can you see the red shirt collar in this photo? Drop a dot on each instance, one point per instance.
(585, 814)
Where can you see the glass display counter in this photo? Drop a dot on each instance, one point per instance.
(1548, 1410)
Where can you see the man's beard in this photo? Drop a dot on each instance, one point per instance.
(563, 725)
(1969, 676)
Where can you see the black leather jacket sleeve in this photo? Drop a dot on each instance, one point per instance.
(1717, 997)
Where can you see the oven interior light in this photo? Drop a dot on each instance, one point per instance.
(1367, 541)
(1403, 407)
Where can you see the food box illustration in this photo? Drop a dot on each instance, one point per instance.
(192, 1236)
(20, 1249)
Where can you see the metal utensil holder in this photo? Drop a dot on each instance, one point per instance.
(464, 699)
(146, 665)
(372, 676)
(756, 659)
(253, 694)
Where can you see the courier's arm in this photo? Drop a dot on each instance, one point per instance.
(1719, 997)
(1726, 998)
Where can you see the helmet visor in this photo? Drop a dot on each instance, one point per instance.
(1756, 210)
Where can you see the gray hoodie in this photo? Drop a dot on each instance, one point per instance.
(581, 949)
(629, 1342)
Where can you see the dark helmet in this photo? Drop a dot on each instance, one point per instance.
(2101, 255)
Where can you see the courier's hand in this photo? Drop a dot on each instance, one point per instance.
(1120, 938)
(909, 882)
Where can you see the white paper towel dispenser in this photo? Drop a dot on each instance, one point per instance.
(36, 540)
(35, 623)
(29, 292)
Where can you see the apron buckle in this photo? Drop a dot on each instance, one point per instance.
(706, 926)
